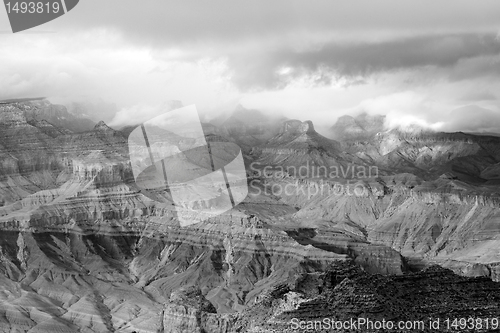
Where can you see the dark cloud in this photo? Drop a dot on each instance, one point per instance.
(481, 66)
(323, 39)
(178, 22)
(363, 59)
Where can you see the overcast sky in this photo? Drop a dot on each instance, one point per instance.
(416, 61)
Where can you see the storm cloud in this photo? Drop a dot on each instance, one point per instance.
(355, 60)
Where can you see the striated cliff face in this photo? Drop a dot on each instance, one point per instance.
(443, 221)
(123, 280)
(12, 116)
(37, 156)
(188, 311)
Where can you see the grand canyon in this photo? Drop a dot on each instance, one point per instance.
(398, 223)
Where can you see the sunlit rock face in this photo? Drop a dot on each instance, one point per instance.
(84, 248)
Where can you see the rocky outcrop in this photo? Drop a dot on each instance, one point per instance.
(188, 311)
(344, 293)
